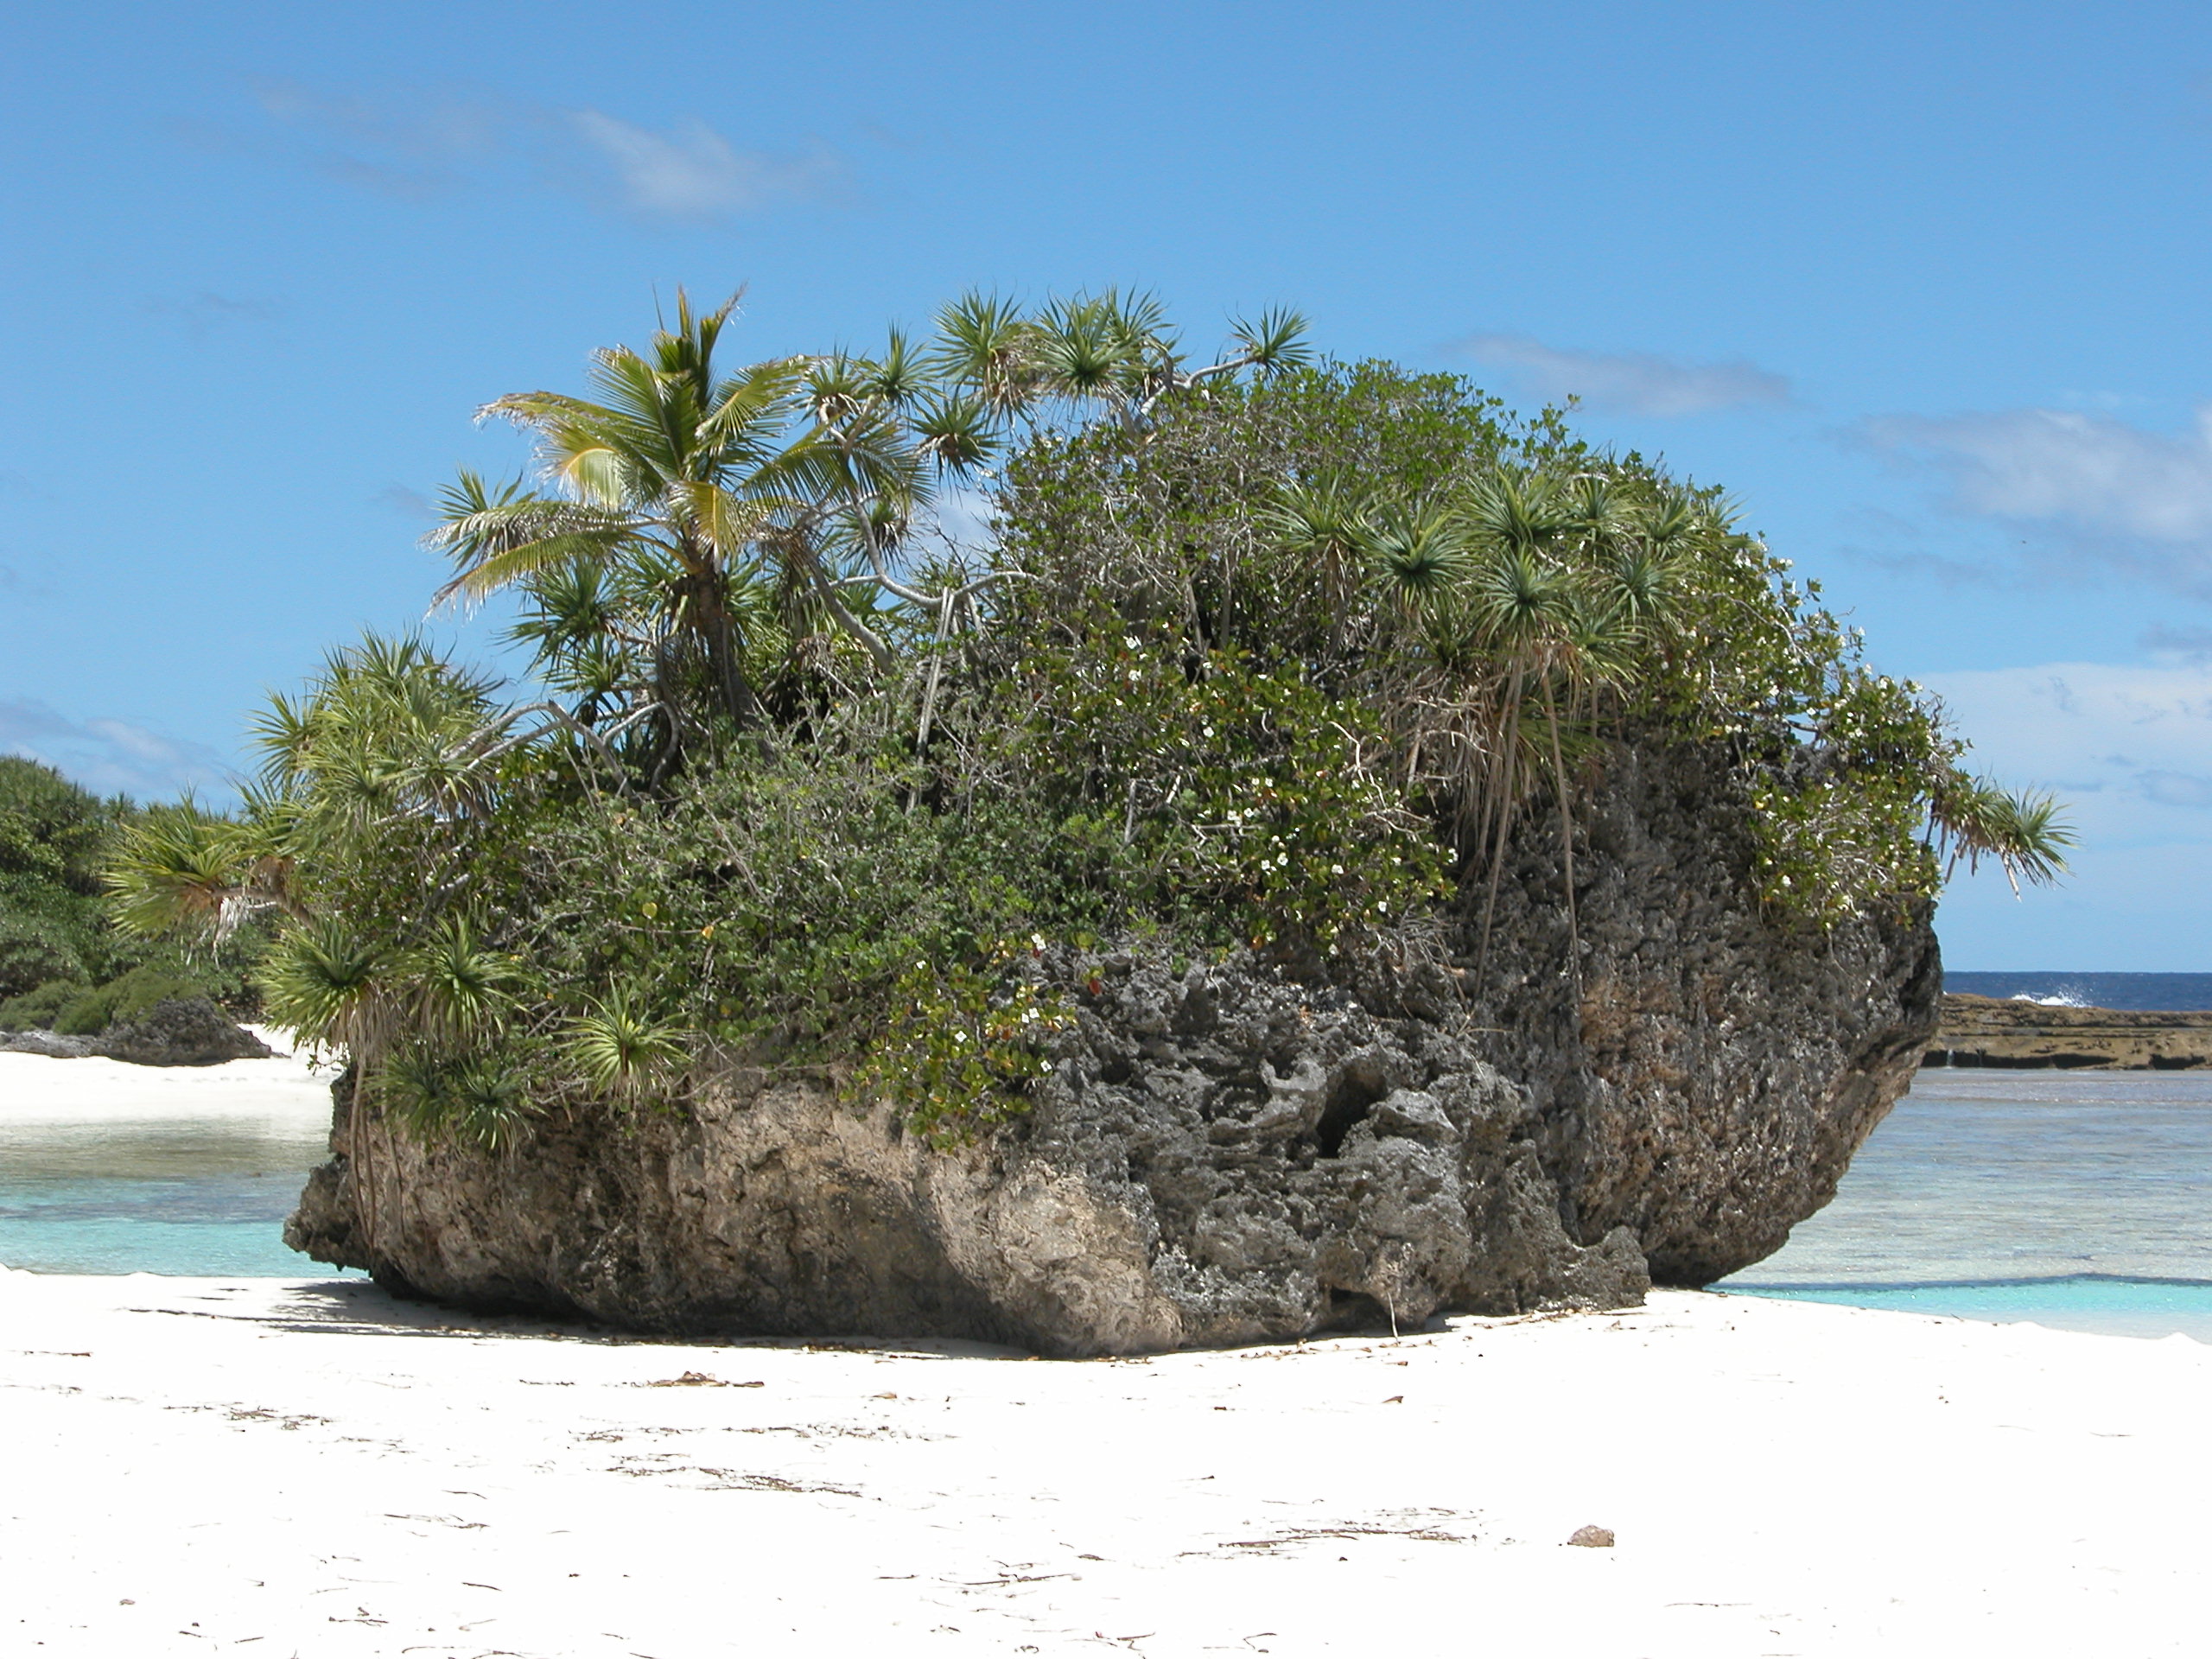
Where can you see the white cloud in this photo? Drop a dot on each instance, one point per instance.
(109, 756)
(2129, 748)
(2142, 499)
(1632, 383)
(693, 172)
(429, 144)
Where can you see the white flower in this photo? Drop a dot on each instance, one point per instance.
(1037, 939)
(1130, 640)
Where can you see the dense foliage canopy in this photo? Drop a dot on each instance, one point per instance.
(1258, 651)
(61, 964)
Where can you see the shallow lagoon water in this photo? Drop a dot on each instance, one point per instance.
(2080, 1200)
(107, 1168)
(191, 1196)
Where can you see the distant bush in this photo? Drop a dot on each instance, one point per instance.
(121, 1001)
(35, 1010)
(52, 834)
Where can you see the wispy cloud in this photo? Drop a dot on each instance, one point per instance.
(1629, 383)
(424, 144)
(1938, 567)
(2175, 788)
(2130, 747)
(109, 756)
(2080, 483)
(2191, 646)
(417, 144)
(692, 172)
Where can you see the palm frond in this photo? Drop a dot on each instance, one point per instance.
(1276, 342)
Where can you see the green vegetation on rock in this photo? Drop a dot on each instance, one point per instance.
(62, 966)
(1261, 652)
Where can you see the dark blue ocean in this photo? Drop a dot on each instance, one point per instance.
(2130, 991)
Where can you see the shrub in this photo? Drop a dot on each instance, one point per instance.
(124, 1000)
(35, 1010)
(1267, 653)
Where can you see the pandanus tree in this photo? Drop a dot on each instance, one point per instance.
(1537, 602)
(692, 488)
(691, 524)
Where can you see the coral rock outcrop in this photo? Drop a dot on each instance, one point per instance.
(1240, 1150)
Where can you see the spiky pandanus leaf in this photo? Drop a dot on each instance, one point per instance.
(1975, 818)
(622, 1049)
(178, 870)
(479, 1096)
(328, 985)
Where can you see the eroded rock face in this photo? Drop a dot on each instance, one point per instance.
(1222, 1156)
(1988, 1030)
(1241, 1151)
(1707, 1083)
(53, 1045)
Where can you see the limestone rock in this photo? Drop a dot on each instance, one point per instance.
(1223, 1156)
(1984, 1030)
(50, 1043)
(180, 1031)
(1706, 1082)
(1248, 1150)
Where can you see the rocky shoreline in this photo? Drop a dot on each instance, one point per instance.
(178, 1031)
(1983, 1031)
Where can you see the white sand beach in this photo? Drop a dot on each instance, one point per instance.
(287, 1089)
(312, 1469)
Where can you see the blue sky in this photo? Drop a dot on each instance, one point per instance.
(1924, 286)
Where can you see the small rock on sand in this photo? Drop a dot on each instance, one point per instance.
(1593, 1537)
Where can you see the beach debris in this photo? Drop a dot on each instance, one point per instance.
(696, 1380)
(1593, 1537)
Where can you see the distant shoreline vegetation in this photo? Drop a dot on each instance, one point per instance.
(1260, 651)
(62, 967)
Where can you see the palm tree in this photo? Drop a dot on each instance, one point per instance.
(699, 486)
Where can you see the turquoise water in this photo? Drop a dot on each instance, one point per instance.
(2124, 1307)
(197, 1194)
(2080, 1200)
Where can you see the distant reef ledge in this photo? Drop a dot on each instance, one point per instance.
(1990, 1032)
